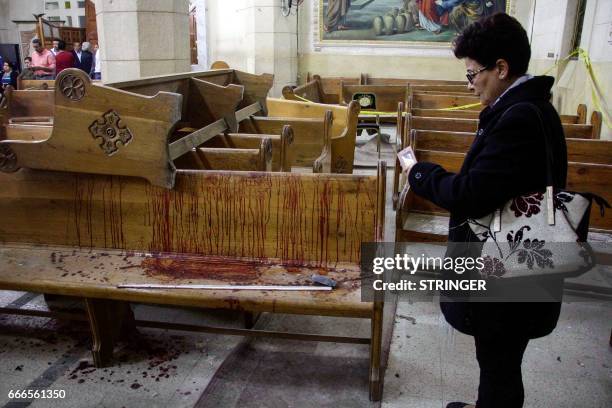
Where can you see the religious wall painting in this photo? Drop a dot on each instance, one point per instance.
(406, 22)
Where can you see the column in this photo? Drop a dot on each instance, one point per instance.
(140, 38)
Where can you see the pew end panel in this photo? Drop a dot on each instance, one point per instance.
(104, 131)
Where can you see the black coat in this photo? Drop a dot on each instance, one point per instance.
(507, 159)
(86, 61)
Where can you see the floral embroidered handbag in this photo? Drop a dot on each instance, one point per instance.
(538, 234)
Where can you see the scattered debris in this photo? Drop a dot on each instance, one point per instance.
(559, 358)
(397, 375)
(19, 368)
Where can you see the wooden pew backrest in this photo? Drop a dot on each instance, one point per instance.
(33, 103)
(387, 96)
(343, 127)
(440, 101)
(282, 154)
(288, 218)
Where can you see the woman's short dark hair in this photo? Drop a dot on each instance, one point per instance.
(498, 36)
(61, 44)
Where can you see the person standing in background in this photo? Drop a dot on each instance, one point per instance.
(63, 58)
(86, 58)
(43, 61)
(77, 54)
(55, 48)
(97, 65)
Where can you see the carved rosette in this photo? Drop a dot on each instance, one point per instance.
(110, 132)
(8, 159)
(72, 87)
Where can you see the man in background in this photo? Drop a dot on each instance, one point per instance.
(97, 65)
(63, 58)
(43, 61)
(55, 49)
(86, 58)
(77, 53)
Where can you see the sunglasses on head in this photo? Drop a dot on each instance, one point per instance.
(470, 75)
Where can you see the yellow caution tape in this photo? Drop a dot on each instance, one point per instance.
(597, 95)
(301, 99)
(372, 112)
(468, 106)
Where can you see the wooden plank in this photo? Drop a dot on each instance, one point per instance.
(248, 111)
(463, 114)
(433, 101)
(195, 139)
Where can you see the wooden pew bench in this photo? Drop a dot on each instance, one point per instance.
(577, 119)
(331, 86)
(311, 91)
(228, 158)
(213, 227)
(29, 107)
(342, 128)
(282, 145)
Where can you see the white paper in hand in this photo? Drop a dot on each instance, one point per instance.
(406, 158)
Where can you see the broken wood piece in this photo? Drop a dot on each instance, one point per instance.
(195, 139)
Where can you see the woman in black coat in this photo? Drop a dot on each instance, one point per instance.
(507, 159)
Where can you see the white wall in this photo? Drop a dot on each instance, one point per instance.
(253, 36)
(553, 30)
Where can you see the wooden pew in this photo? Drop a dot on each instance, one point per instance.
(228, 158)
(282, 145)
(330, 87)
(578, 118)
(93, 123)
(214, 227)
(342, 132)
(29, 106)
(386, 98)
(312, 142)
(309, 92)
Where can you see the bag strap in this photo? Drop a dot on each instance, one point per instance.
(548, 151)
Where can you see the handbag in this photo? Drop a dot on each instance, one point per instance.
(541, 234)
